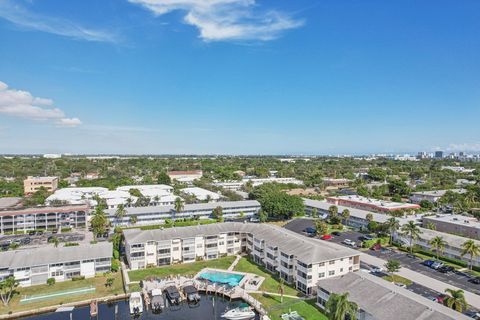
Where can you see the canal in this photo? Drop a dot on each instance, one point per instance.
(209, 308)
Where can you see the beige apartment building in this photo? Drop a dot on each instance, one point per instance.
(33, 184)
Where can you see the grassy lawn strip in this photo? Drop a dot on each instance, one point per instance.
(398, 279)
(181, 269)
(98, 282)
(305, 308)
(271, 282)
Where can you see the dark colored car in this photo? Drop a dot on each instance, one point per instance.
(367, 237)
(428, 263)
(310, 230)
(337, 233)
(412, 256)
(446, 269)
(475, 280)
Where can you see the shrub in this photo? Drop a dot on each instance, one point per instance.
(78, 278)
(71, 244)
(51, 281)
(116, 254)
(66, 230)
(115, 265)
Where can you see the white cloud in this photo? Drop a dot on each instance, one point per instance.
(220, 20)
(69, 122)
(472, 146)
(22, 17)
(18, 103)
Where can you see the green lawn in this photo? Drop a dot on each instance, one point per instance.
(181, 269)
(398, 279)
(98, 282)
(305, 308)
(270, 284)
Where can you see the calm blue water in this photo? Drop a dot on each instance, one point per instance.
(231, 279)
(203, 311)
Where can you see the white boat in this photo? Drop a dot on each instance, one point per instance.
(135, 303)
(241, 313)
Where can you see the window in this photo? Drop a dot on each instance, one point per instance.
(331, 262)
(57, 273)
(176, 248)
(341, 269)
(331, 273)
(321, 264)
(321, 275)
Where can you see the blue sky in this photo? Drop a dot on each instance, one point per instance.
(239, 76)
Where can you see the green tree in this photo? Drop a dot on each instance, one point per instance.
(339, 307)
(369, 217)
(120, 212)
(412, 231)
(333, 211)
(109, 282)
(321, 227)
(163, 178)
(133, 220)
(99, 222)
(393, 225)
(51, 281)
(345, 216)
(55, 241)
(218, 213)
(438, 244)
(472, 249)
(178, 204)
(392, 266)
(377, 174)
(262, 216)
(7, 289)
(456, 300)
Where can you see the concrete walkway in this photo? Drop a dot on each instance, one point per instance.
(234, 263)
(434, 284)
(278, 294)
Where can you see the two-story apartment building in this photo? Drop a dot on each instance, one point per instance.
(298, 260)
(34, 266)
(33, 184)
(158, 214)
(44, 218)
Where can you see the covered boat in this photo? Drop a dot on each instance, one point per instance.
(173, 295)
(191, 293)
(157, 302)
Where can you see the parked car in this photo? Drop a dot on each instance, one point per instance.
(367, 237)
(337, 233)
(428, 263)
(376, 270)
(446, 269)
(412, 256)
(326, 237)
(401, 285)
(475, 280)
(441, 298)
(349, 242)
(436, 265)
(376, 247)
(310, 230)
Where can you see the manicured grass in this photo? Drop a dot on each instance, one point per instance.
(98, 282)
(181, 269)
(134, 287)
(398, 279)
(270, 284)
(305, 308)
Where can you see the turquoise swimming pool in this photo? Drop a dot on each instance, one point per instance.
(232, 279)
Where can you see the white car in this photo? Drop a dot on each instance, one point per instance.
(376, 269)
(349, 242)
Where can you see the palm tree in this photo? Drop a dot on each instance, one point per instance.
(281, 289)
(438, 244)
(472, 249)
(346, 215)
(393, 226)
(178, 204)
(133, 219)
(333, 211)
(339, 307)
(55, 241)
(121, 212)
(369, 217)
(412, 231)
(456, 300)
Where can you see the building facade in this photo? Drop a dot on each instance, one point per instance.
(371, 204)
(455, 224)
(33, 184)
(298, 260)
(43, 218)
(158, 214)
(35, 266)
(431, 196)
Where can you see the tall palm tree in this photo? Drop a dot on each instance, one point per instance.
(472, 249)
(412, 231)
(438, 244)
(456, 300)
(333, 211)
(369, 217)
(338, 307)
(281, 289)
(120, 212)
(133, 219)
(393, 226)
(178, 204)
(346, 215)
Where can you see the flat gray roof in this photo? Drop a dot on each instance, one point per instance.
(437, 193)
(49, 254)
(451, 239)
(9, 202)
(306, 249)
(386, 301)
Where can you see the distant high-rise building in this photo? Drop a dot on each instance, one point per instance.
(438, 154)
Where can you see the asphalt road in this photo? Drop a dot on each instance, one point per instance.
(456, 279)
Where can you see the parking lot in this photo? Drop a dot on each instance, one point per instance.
(37, 239)
(458, 279)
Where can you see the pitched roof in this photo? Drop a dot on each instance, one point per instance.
(307, 250)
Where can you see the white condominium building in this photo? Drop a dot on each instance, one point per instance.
(297, 259)
(36, 265)
(158, 214)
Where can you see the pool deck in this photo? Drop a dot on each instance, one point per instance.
(249, 282)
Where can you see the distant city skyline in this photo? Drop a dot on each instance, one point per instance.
(239, 77)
